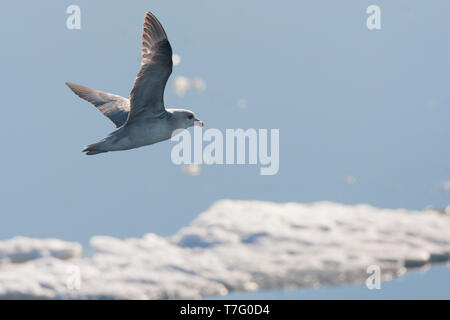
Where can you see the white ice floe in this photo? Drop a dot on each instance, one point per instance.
(242, 103)
(191, 169)
(350, 179)
(21, 249)
(176, 59)
(233, 246)
(446, 186)
(182, 84)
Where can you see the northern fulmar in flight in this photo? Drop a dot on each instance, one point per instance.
(141, 120)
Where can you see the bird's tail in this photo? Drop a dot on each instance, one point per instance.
(94, 148)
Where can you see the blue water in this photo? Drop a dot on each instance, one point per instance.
(432, 283)
(347, 101)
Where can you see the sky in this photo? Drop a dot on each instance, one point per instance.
(369, 107)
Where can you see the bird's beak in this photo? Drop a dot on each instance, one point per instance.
(198, 123)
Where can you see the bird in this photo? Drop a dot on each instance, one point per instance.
(142, 119)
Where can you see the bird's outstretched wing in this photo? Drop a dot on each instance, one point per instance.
(146, 97)
(115, 107)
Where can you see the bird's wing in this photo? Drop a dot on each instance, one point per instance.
(115, 107)
(146, 97)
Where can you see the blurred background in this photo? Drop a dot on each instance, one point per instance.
(363, 115)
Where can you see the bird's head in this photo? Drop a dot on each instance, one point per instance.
(185, 118)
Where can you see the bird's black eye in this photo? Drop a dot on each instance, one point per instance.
(190, 116)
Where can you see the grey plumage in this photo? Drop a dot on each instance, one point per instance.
(143, 119)
(155, 70)
(115, 107)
